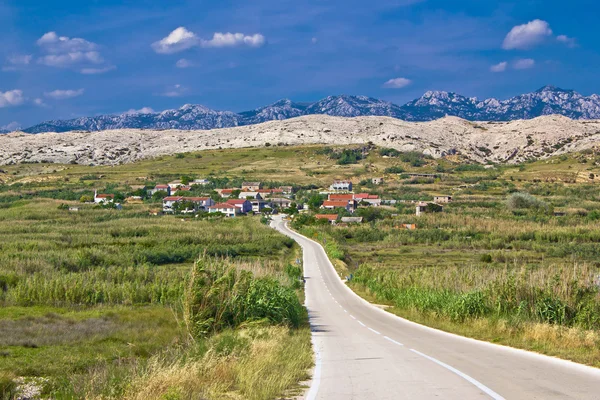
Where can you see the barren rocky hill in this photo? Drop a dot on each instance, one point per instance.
(513, 141)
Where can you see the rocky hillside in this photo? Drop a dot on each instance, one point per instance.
(432, 105)
(478, 141)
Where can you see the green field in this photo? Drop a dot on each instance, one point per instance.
(103, 303)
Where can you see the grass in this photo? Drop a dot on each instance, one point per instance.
(115, 286)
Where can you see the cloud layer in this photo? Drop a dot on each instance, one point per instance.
(64, 94)
(500, 67)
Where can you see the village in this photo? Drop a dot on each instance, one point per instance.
(336, 204)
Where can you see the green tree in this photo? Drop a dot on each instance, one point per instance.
(158, 196)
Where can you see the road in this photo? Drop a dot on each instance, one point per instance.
(363, 352)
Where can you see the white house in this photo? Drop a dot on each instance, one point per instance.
(169, 202)
(244, 205)
(160, 188)
(249, 194)
(230, 210)
(338, 186)
(103, 198)
(201, 182)
(201, 203)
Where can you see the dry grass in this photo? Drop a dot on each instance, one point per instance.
(272, 363)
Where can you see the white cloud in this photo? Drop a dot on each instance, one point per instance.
(64, 94)
(68, 59)
(143, 110)
(397, 83)
(182, 39)
(52, 43)
(527, 35)
(11, 98)
(13, 126)
(178, 40)
(524, 63)
(174, 91)
(570, 42)
(500, 67)
(184, 63)
(64, 52)
(20, 59)
(234, 39)
(39, 102)
(97, 71)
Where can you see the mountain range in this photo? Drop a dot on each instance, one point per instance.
(432, 105)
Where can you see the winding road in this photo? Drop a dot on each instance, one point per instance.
(364, 352)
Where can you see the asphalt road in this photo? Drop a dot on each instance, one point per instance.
(363, 352)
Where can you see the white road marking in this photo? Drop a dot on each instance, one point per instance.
(393, 341)
(361, 323)
(345, 311)
(373, 330)
(466, 377)
(353, 317)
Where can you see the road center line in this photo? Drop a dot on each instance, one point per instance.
(466, 377)
(361, 323)
(373, 330)
(393, 341)
(353, 317)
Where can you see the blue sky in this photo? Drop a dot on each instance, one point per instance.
(71, 58)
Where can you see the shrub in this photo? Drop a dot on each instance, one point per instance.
(517, 201)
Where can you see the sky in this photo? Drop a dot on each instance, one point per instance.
(70, 58)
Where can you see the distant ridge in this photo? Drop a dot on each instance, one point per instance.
(432, 105)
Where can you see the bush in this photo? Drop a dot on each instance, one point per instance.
(394, 170)
(220, 296)
(520, 201)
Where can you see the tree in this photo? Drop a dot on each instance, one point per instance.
(158, 196)
(433, 208)
(86, 199)
(315, 202)
(185, 179)
(235, 194)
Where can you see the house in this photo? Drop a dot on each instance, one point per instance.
(349, 205)
(74, 209)
(225, 192)
(442, 199)
(352, 220)
(281, 202)
(200, 182)
(251, 186)
(410, 227)
(340, 197)
(332, 218)
(169, 202)
(423, 208)
(258, 205)
(371, 199)
(270, 192)
(174, 185)
(103, 198)
(377, 181)
(341, 186)
(229, 210)
(160, 188)
(244, 205)
(250, 194)
(200, 203)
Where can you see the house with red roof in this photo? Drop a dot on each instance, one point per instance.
(244, 205)
(349, 205)
(332, 218)
(159, 188)
(103, 198)
(229, 210)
